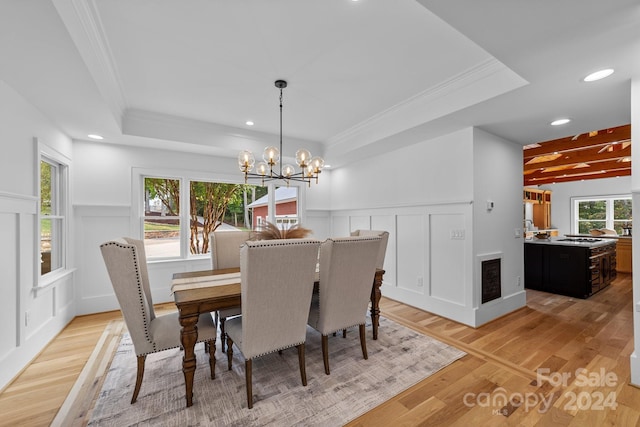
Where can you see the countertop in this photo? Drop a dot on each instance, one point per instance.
(580, 242)
(604, 236)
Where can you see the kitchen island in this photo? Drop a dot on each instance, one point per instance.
(572, 266)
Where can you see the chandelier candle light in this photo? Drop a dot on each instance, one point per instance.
(310, 167)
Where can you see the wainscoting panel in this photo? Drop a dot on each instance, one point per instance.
(94, 226)
(387, 223)
(319, 222)
(359, 222)
(29, 318)
(429, 262)
(448, 262)
(9, 318)
(411, 253)
(340, 225)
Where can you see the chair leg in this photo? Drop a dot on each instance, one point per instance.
(229, 352)
(301, 362)
(363, 342)
(325, 353)
(223, 334)
(136, 389)
(344, 333)
(212, 357)
(247, 373)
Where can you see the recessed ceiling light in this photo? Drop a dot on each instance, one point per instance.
(94, 136)
(598, 75)
(249, 123)
(560, 122)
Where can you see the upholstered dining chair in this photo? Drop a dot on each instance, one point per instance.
(277, 279)
(384, 236)
(225, 253)
(126, 264)
(347, 268)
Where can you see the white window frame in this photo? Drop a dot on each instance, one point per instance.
(185, 177)
(62, 164)
(609, 220)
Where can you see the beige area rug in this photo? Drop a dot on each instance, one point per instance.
(399, 359)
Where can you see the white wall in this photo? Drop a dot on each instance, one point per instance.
(51, 309)
(497, 178)
(423, 195)
(563, 191)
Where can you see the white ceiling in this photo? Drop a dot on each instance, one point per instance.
(364, 77)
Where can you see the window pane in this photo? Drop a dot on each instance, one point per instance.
(214, 205)
(162, 196)
(161, 217)
(45, 188)
(622, 209)
(50, 245)
(622, 215)
(585, 226)
(162, 237)
(592, 210)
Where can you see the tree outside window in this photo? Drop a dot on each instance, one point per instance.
(211, 206)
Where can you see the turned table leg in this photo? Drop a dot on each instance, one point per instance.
(375, 302)
(188, 337)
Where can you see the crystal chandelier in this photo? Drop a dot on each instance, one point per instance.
(310, 167)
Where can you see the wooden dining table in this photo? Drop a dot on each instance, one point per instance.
(205, 291)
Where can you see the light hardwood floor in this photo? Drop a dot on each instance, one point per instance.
(556, 333)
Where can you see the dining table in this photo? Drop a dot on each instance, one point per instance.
(205, 291)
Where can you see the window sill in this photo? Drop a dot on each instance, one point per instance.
(52, 278)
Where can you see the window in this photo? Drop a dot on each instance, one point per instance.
(178, 226)
(613, 212)
(161, 221)
(52, 215)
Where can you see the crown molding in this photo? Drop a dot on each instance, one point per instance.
(487, 79)
(82, 20)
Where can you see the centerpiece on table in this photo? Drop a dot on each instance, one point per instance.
(269, 231)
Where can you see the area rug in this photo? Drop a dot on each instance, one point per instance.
(398, 359)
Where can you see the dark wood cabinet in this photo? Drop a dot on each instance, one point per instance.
(576, 271)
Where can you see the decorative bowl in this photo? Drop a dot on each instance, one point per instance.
(542, 236)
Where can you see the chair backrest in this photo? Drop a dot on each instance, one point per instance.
(347, 269)
(225, 248)
(384, 236)
(127, 267)
(277, 283)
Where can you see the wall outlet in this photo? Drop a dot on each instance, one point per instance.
(457, 234)
(518, 282)
(517, 233)
(420, 282)
(27, 318)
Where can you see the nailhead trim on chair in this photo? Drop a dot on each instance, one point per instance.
(132, 247)
(280, 349)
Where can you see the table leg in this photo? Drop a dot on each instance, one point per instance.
(188, 337)
(375, 302)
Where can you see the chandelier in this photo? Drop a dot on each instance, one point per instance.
(310, 167)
